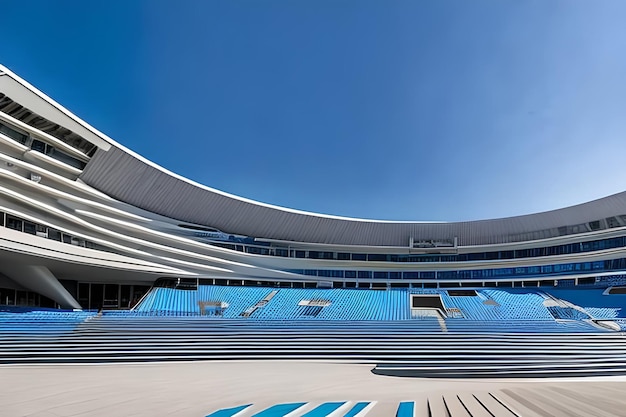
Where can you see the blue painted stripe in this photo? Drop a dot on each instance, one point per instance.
(228, 412)
(323, 410)
(279, 410)
(405, 409)
(358, 407)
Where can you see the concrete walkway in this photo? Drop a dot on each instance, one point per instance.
(199, 388)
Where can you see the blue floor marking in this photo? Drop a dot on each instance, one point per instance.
(323, 410)
(358, 407)
(228, 412)
(279, 410)
(405, 409)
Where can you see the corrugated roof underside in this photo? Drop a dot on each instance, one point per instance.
(128, 179)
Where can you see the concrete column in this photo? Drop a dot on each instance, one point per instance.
(39, 279)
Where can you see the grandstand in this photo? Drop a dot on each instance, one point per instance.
(470, 333)
(106, 257)
(488, 305)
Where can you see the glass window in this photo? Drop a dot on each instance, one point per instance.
(13, 134)
(125, 296)
(65, 158)
(91, 245)
(21, 298)
(54, 234)
(97, 296)
(111, 295)
(83, 294)
(30, 228)
(492, 255)
(42, 231)
(464, 274)
(430, 258)
(14, 223)
(38, 146)
(595, 225)
(7, 297)
(447, 274)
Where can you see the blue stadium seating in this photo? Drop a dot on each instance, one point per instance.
(257, 303)
(597, 305)
(44, 322)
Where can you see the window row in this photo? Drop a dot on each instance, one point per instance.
(570, 248)
(519, 272)
(12, 297)
(42, 147)
(17, 223)
(96, 296)
(17, 111)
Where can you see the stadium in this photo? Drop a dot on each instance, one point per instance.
(111, 260)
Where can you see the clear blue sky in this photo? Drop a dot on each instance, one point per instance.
(405, 110)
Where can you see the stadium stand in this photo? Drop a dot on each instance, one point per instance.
(358, 304)
(465, 348)
(594, 302)
(50, 323)
(496, 333)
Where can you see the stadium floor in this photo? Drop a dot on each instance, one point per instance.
(201, 388)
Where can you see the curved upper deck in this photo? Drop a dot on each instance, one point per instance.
(141, 183)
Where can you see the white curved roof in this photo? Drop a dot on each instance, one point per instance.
(132, 179)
